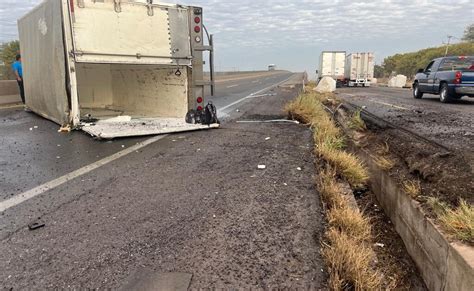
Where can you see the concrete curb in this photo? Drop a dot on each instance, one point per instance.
(442, 264)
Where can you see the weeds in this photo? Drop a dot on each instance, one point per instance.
(350, 222)
(350, 263)
(348, 254)
(347, 164)
(328, 138)
(412, 188)
(356, 122)
(385, 163)
(459, 222)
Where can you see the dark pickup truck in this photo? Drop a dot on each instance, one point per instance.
(450, 77)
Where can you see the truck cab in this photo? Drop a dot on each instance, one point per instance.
(450, 77)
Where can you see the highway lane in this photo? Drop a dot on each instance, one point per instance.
(193, 203)
(32, 152)
(451, 125)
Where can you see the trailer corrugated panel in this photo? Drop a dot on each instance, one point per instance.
(332, 64)
(360, 66)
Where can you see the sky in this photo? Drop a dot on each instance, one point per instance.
(250, 34)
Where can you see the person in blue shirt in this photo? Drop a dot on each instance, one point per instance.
(18, 70)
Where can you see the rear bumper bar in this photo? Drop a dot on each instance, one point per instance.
(465, 90)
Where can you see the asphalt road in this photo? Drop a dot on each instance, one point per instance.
(32, 152)
(193, 202)
(451, 125)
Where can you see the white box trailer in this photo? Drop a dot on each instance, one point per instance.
(331, 64)
(115, 68)
(359, 69)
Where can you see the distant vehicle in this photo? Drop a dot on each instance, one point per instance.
(272, 67)
(450, 77)
(332, 64)
(359, 69)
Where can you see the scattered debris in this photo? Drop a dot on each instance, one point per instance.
(269, 121)
(36, 225)
(299, 169)
(268, 138)
(58, 157)
(31, 128)
(65, 128)
(262, 167)
(380, 245)
(35, 127)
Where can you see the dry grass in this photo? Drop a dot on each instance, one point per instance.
(412, 188)
(348, 252)
(385, 163)
(330, 189)
(356, 122)
(459, 222)
(328, 138)
(350, 263)
(351, 222)
(347, 164)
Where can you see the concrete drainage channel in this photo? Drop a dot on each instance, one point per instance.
(444, 265)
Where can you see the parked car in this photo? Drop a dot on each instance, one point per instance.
(450, 77)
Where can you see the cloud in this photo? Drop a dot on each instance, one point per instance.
(251, 33)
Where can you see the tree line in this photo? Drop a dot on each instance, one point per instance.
(408, 63)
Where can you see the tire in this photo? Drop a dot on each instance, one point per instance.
(444, 95)
(416, 91)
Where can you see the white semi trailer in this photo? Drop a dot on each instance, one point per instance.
(116, 68)
(332, 64)
(359, 69)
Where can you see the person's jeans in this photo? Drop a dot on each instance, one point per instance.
(22, 91)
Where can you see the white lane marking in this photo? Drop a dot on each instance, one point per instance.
(20, 198)
(252, 95)
(388, 104)
(232, 86)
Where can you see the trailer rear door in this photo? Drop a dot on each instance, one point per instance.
(111, 31)
(43, 54)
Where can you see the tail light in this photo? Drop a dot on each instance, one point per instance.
(199, 100)
(72, 5)
(197, 29)
(457, 78)
(197, 19)
(199, 108)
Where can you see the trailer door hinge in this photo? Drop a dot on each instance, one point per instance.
(117, 6)
(204, 48)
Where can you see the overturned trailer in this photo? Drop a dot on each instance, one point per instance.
(116, 68)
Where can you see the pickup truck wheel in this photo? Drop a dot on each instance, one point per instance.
(444, 95)
(416, 92)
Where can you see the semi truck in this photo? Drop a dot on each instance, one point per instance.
(117, 68)
(332, 64)
(359, 69)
